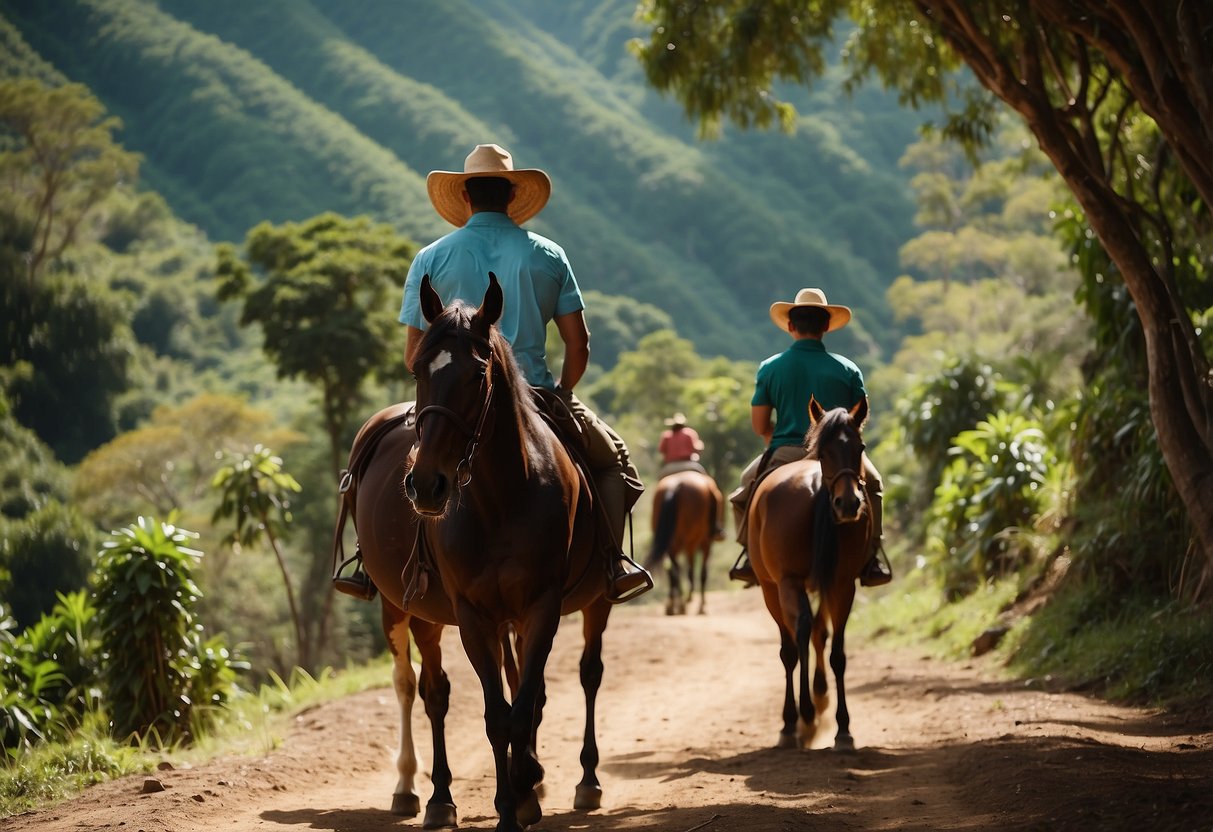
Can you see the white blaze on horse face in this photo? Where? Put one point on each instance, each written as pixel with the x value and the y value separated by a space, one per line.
pixel 441 360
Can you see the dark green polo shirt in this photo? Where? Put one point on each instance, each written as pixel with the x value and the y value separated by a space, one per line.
pixel 788 380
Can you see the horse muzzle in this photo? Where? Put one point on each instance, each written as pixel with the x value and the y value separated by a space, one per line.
pixel 429 495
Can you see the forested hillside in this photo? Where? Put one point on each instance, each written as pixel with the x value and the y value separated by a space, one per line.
pixel 282 109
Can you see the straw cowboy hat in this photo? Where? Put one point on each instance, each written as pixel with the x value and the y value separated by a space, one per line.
pixel 677 420
pixel 839 315
pixel 532 187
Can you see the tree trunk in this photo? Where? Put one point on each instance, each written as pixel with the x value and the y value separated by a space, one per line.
pixel 1182 423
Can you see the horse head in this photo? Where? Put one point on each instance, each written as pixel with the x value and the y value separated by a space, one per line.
pixel 454 372
pixel 834 439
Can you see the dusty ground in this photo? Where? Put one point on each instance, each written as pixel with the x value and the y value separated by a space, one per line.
pixel 689 714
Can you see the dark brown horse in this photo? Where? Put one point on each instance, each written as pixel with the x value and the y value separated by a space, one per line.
pixel 687 505
pixel 808 532
pixel 506 545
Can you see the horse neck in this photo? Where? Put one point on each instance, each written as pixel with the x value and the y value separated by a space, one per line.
pixel 511 455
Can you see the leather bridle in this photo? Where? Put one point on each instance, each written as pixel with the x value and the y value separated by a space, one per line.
pixel 463 470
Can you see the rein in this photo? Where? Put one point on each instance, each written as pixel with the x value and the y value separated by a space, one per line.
pixel 463 471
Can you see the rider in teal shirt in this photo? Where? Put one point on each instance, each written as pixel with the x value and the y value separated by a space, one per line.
pixel 487 203
pixel 536 280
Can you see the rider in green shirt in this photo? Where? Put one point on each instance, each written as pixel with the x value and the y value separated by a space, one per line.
pixel 784 385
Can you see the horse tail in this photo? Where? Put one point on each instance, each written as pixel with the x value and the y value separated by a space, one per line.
pixel 663 533
pixel 825 541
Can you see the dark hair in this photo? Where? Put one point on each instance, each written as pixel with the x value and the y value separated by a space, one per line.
pixel 809 320
pixel 489 193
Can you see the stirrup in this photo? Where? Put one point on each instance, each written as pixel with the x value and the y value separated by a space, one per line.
pixel 742 572
pixel 876 571
pixel 646 583
pixel 357 585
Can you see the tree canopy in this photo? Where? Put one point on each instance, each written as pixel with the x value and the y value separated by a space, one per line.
pixel 1115 92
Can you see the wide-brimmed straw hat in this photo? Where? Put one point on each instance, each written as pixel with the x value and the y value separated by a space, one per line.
pixel 839 315
pixel 677 420
pixel 532 187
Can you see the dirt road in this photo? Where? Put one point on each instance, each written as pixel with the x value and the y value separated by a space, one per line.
pixel 688 718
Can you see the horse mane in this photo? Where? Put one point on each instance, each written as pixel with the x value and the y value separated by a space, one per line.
pixel 455 321
pixel 825 528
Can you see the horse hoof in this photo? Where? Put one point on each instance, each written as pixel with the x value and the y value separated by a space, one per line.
pixel 406 805
pixel 439 816
pixel 844 742
pixel 588 798
pixel 528 812
pixel 787 741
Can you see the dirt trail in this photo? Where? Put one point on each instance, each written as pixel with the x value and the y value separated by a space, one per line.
pixel 688 717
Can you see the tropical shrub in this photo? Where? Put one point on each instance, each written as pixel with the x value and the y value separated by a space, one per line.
pixel 156 668
pixel 990 492
pixel 47 674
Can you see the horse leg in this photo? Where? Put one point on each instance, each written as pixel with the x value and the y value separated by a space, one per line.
pixel 482 644
pixel 436 693
pixel 703 575
pixel 688 594
pixel 593 625
pixel 537 631
pixel 673 573
pixel 821 689
pixel 405 800
pixel 798 618
pixel 843 741
pixel 541 697
pixel 787 655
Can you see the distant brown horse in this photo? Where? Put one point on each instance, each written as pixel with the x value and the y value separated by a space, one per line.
pixel 687 505
pixel 503 522
pixel 809 527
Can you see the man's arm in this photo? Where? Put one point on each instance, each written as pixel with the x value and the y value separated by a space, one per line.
pixel 576 338
pixel 411 343
pixel 760 420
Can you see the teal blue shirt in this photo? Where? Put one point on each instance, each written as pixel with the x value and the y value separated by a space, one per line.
pixel 788 380
pixel 536 281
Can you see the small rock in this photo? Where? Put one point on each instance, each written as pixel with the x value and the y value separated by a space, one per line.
pixel 164 765
pixel 150 785
pixel 197 798
pixel 988 640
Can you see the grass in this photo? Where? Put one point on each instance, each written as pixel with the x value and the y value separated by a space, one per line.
pixel 912 612
pixel 1136 650
pixel 253 723
pixel 1148 651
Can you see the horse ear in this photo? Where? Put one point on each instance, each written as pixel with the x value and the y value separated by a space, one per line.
pixel 431 304
pixel 490 309
pixel 815 411
pixel 859 413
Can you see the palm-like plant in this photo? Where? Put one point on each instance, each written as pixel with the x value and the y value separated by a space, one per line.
pixel 255 496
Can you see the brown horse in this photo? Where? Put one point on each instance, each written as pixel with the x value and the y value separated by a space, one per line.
pixel 687 505
pixel 502 522
pixel 809 527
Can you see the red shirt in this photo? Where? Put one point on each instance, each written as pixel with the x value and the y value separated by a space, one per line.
pixel 678 445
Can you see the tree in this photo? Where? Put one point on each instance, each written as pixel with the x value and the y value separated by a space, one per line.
pixel 62 164
pixel 255 497
pixel 323 306
pixel 1114 91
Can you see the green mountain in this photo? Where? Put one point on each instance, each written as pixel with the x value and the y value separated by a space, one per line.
pixel 281 109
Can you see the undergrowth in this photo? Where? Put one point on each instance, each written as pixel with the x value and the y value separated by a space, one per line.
pixel 252 723
pixel 1135 650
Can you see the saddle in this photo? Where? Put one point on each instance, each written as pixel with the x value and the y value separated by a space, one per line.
pixel 358 584
pixel 551 408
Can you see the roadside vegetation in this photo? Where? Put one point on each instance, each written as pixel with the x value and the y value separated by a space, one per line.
pixel 174 414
